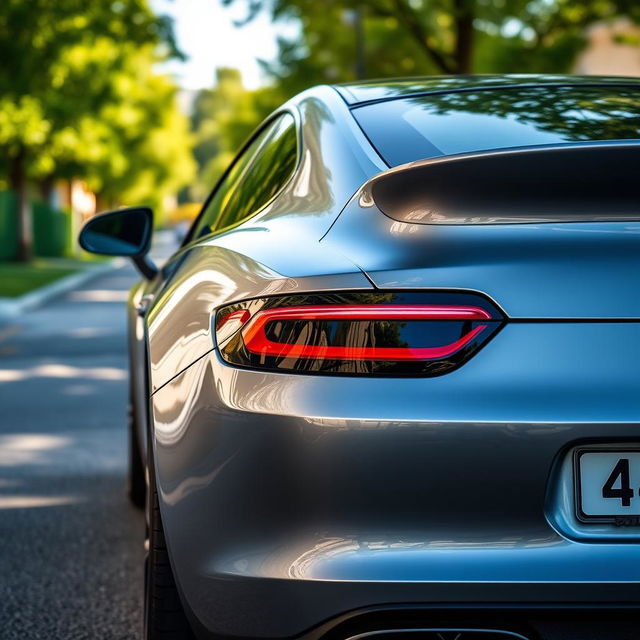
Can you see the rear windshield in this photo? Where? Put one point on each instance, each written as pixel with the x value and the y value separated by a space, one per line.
pixel 442 124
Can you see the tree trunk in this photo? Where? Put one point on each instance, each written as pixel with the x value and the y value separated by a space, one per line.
pixel 406 16
pixel 464 36
pixel 18 184
pixel 102 203
pixel 46 189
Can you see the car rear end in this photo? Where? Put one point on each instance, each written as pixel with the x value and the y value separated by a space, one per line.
pixel 452 452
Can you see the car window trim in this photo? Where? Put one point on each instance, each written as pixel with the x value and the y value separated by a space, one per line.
pixel 248 168
pixel 250 140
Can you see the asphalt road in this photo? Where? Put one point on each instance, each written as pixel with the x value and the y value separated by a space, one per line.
pixel 71 546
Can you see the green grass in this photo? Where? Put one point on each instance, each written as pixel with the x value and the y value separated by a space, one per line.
pixel 16 279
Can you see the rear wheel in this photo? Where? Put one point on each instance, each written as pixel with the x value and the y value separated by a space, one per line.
pixel 136 483
pixel 164 617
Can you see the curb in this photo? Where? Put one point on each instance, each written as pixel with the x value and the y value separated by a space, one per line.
pixel 12 307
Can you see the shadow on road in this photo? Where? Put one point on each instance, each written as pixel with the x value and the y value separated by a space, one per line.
pixel 71 559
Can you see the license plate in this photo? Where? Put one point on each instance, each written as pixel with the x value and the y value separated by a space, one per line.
pixel 607 484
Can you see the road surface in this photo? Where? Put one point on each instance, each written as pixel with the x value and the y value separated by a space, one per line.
pixel 71 546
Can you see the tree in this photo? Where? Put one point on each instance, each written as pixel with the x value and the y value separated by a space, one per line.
pixel 50 94
pixel 411 37
pixel 22 127
pixel 142 151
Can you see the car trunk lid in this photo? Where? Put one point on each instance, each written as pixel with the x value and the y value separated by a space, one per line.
pixel 547 232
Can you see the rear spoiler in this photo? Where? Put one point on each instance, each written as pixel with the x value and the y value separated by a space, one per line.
pixel 575 182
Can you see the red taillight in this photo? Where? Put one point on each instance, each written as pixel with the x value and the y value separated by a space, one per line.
pixel 360 334
pixel 256 340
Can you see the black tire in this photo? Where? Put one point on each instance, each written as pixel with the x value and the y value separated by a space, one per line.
pixel 136 482
pixel 164 617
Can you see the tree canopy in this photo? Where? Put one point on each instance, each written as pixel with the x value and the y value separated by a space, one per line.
pixel 341 40
pixel 80 96
pixel 222 119
pixel 79 99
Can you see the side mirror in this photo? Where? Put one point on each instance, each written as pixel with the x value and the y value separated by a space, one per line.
pixel 123 232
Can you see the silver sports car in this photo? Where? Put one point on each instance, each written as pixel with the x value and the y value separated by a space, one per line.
pixel 390 384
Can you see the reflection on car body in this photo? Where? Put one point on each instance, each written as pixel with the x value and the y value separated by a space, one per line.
pixel 364 384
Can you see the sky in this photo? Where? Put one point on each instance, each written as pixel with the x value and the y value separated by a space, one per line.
pixel 206 34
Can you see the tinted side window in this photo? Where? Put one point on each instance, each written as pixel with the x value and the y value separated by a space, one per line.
pixel 209 217
pixel 247 187
pixel 271 166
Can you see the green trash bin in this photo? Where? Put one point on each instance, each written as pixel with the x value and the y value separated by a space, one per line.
pixel 51 229
pixel 8 226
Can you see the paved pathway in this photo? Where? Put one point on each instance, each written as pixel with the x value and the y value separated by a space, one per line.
pixel 70 545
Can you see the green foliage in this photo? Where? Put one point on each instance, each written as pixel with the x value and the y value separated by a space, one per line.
pixel 16 280
pixel 80 99
pixel 223 118
pixel 22 122
pixel 343 39
pixel 142 150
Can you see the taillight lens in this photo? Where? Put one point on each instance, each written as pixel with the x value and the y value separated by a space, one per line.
pixel 394 334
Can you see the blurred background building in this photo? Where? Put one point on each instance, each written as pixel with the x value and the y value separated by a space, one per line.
pixel 611 49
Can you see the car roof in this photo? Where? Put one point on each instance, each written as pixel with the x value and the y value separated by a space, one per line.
pixel 358 93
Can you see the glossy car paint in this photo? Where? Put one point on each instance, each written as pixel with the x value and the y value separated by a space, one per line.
pixel 335 159
pixel 550 183
pixel 338 495
pixel 545 270
pixel 275 252
pixel 289 500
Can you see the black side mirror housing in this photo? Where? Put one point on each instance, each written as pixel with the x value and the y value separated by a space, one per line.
pixel 122 232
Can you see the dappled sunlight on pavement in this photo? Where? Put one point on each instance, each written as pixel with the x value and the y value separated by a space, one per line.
pixel 62 371
pixel 98 295
pixel 64 515
pixel 87 332
pixel 28 448
pixel 63 453
pixel 29 502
